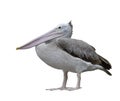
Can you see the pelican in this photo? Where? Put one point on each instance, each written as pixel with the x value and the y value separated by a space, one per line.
pixel 57 49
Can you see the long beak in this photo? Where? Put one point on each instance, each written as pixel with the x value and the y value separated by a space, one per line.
pixel 48 36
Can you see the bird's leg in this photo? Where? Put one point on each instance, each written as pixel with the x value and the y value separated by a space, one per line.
pixel 64 80
pixel 77 85
pixel 78 80
pixel 63 87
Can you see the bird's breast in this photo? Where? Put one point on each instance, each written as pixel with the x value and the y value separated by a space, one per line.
pixel 55 57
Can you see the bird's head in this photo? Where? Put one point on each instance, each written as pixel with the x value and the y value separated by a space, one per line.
pixel 63 30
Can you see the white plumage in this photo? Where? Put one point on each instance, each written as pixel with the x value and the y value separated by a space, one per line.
pixel 59 51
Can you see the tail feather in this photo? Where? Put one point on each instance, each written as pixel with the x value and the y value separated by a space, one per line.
pixel 105 63
pixel 106 71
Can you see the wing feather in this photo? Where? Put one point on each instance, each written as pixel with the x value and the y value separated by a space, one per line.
pixel 79 49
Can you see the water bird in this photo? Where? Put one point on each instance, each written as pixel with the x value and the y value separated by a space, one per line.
pixel 57 49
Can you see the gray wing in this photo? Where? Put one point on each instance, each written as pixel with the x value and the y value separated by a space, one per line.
pixel 79 49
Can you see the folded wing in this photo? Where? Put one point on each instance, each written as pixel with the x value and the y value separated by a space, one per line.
pixel 82 50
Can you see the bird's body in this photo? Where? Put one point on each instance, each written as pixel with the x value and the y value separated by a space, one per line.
pixel 56 57
pixel 57 49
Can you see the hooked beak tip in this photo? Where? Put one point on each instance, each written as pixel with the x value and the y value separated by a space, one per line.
pixel 17 48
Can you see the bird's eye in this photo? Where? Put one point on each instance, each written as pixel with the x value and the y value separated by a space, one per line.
pixel 59 27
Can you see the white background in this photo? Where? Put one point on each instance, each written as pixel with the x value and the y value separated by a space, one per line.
pixel 24 77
